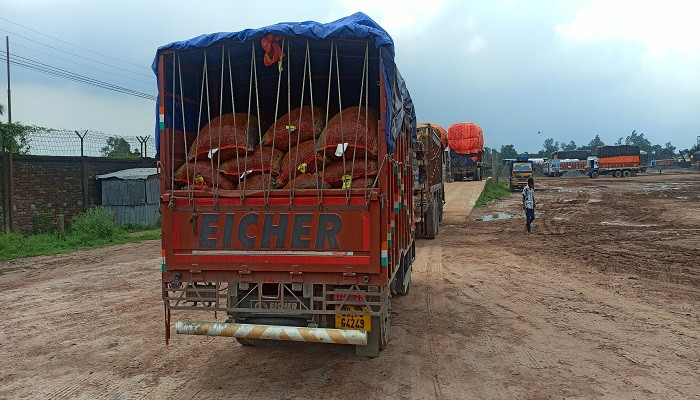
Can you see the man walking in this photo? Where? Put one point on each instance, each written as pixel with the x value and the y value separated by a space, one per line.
pixel 529 203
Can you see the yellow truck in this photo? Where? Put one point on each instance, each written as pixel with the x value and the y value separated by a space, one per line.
pixel 520 170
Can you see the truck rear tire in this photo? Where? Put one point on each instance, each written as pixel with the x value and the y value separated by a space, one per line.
pixel 430 221
pixel 617 173
pixel 404 286
pixel 626 173
pixel 476 175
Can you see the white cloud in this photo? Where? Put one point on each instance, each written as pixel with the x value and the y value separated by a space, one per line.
pixel 398 17
pixel 659 27
pixel 475 44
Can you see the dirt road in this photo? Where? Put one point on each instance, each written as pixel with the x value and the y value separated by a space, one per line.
pixel 601 301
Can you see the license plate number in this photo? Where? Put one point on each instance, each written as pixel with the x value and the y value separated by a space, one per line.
pixel 354 322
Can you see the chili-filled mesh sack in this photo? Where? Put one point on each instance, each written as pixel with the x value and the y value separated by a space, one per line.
pixel 361 183
pixel 337 176
pixel 306 130
pixel 202 170
pixel 270 162
pixel 465 138
pixel 256 182
pixel 356 136
pixel 307 181
pixel 301 159
pixel 235 138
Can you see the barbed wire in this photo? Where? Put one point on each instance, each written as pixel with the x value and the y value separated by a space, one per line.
pixel 94 144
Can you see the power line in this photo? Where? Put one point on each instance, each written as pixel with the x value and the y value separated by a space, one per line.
pixel 74 45
pixel 73 54
pixel 62 73
pixel 77 63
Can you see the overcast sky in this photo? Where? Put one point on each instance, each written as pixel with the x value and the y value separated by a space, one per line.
pixel 568 69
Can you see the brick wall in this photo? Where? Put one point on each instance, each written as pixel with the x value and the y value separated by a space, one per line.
pixel 43 186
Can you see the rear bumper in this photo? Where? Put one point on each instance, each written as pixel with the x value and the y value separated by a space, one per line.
pixel 272 332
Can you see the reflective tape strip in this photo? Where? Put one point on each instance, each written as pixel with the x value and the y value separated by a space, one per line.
pixel 272 332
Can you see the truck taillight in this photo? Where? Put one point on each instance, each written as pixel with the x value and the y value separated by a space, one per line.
pixel 342 297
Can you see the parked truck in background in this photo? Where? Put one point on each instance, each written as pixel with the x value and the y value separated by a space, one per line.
pixel 622 160
pixel 566 160
pixel 662 163
pixel 428 184
pixel 466 142
pixel 695 160
pixel 306 247
pixel 643 161
pixel 519 171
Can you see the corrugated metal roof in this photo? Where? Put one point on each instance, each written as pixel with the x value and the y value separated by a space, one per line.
pixel 130 174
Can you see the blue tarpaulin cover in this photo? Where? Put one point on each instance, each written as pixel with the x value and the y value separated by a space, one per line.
pixel 400 109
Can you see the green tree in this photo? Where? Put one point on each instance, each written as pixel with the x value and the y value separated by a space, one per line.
pixel 663 153
pixel 15 135
pixel 118 147
pixel 570 146
pixel 548 147
pixel 595 142
pixel 638 139
pixel 507 151
pixel 2 109
pixel 619 141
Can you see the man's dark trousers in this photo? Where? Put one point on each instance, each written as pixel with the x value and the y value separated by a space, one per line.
pixel 530 215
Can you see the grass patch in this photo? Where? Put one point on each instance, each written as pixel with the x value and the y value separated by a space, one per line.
pixel 92 229
pixel 493 192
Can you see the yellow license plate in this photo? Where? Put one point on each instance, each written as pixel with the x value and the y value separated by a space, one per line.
pixel 355 322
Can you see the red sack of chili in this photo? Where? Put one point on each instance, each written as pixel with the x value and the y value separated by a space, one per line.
pixel 300 160
pixel 340 176
pixel 307 181
pixel 356 134
pixel 256 182
pixel 361 183
pixel 200 176
pixel 290 129
pixel 238 134
pixel 252 162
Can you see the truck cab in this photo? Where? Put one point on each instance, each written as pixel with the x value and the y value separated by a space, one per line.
pixel 520 170
pixel 592 167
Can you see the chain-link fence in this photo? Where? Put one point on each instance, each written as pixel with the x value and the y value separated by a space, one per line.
pixel 89 143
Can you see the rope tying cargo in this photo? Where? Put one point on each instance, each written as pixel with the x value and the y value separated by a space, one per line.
pixel 328 106
pixel 184 127
pixel 277 102
pixel 172 150
pixel 221 110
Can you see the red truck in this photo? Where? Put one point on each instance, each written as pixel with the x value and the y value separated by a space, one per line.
pixel 310 245
pixel 620 160
pixel 428 184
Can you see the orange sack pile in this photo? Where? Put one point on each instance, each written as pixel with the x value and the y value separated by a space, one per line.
pixel 465 138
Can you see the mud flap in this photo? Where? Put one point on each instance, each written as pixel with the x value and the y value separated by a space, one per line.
pixel 377 339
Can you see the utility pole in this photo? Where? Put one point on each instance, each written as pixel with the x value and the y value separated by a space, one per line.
pixel 9 170
pixel 494 167
pixel 9 97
